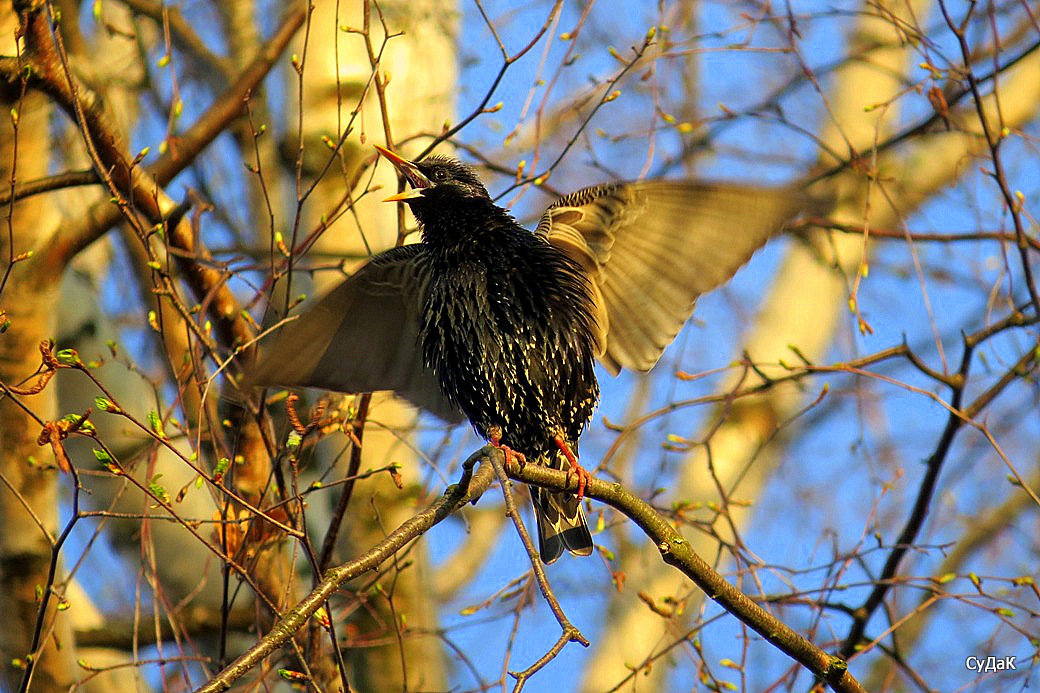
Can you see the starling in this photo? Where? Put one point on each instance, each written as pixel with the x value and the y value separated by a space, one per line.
pixel 483 319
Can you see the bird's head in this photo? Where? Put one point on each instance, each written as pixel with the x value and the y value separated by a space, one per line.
pixel 435 179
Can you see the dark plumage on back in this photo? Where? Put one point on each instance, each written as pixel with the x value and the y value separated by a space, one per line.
pixel 489 321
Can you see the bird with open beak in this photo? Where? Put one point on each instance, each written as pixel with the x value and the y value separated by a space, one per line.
pixel 487 321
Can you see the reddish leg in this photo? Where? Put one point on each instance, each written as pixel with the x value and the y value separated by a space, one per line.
pixel 583 475
pixel 495 438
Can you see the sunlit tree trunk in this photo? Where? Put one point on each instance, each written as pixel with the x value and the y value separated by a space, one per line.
pixel 112 59
pixel 804 307
pixel 29 483
pixel 420 68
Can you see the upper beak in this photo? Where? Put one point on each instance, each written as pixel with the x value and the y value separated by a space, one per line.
pixel 410 171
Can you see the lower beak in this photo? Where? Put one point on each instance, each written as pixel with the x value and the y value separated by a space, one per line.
pixel 406 195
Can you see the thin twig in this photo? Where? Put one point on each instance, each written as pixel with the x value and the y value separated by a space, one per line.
pixel 569 632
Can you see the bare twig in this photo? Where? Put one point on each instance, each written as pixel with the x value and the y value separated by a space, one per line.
pixel 569 632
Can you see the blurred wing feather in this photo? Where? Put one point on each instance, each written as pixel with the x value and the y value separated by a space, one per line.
pixel 363 336
pixel 652 247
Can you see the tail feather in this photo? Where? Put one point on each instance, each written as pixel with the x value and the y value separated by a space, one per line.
pixel 561 525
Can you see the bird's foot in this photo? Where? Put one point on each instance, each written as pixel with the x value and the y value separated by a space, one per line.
pixel 495 438
pixel 581 472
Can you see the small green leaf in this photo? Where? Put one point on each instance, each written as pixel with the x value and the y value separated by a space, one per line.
pixel 68 357
pixel 105 404
pixel 157 489
pixel 292 442
pixel 294 676
pixel 155 423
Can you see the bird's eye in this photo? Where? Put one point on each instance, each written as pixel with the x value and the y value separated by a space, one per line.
pixel 440 175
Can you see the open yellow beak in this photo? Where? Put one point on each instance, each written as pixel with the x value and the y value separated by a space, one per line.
pixel 416 178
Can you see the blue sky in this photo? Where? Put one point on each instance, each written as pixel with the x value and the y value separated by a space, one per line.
pixel 852 468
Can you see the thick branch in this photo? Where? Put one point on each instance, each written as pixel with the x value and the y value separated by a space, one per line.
pixel 138 189
pixel 676 551
pixel 58 181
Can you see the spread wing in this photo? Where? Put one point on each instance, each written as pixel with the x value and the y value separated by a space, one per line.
pixel 362 336
pixel 652 247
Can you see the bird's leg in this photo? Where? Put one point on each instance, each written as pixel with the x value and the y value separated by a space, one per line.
pixel 583 475
pixel 495 438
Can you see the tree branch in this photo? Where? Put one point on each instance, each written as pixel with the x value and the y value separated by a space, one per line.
pixel 469 488
pixel 677 552
pixel 58 181
pixel 228 106
pixel 673 547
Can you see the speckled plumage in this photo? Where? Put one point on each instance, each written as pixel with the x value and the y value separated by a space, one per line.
pixel 508 325
pixel 508 328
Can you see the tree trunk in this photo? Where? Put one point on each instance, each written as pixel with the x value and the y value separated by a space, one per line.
pixel 394 649
pixel 804 307
pixel 29 483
